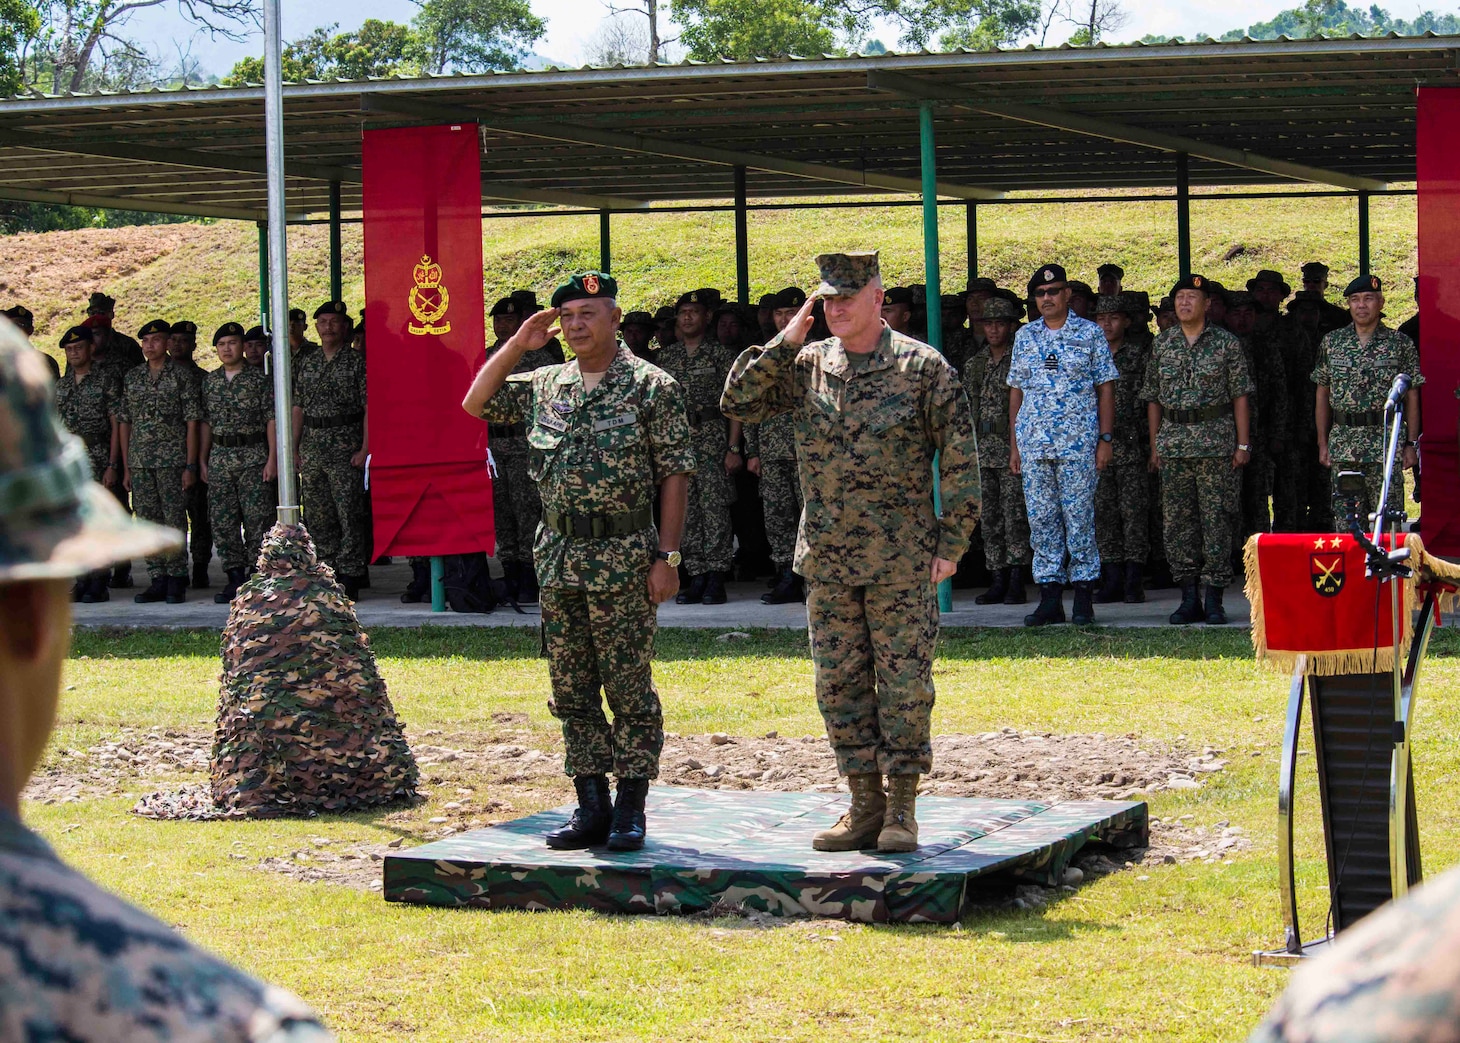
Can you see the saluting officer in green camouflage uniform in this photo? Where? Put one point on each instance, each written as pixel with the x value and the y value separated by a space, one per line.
pixel 1004 517
pixel 1197 389
pixel 238 455
pixel 182 345
pixel 1268 416
pixel 872 409
pixel 333 440
pixel 1121 515
pixel 516 506
pixel 1356 368
pixel 159 418
pixel 700 364
pixel 87 398
pixel 78 963
pixel 606 431
pixel 770 453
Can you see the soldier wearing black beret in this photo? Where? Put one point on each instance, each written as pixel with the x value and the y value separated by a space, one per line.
pixel 897 308
pixel 182 346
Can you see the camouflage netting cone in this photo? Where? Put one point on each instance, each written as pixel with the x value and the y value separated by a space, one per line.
pixel 304 721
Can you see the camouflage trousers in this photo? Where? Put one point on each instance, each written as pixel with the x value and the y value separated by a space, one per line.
pixel 1004 520
pixel 516 505
pixel 1122 516
pixel 1198 503
pixel 1373 486
pixel 872 649
pixel 1060 497
pixel 200 527
pixel 708 542
pixel 1302 490
pixel 604 641
pixel 1155 524
pixel 1257 489
pixel 241 509
pixel 157 495
pixel 780 497
pixel 332 494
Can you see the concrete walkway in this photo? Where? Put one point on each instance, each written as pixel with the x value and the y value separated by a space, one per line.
pixel 380 606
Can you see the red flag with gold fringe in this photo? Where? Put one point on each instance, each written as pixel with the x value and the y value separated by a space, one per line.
pixel 425 331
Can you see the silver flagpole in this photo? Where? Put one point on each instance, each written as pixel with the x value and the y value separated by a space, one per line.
pixel 279 265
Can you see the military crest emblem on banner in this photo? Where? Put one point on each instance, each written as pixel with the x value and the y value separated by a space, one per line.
pixel 428 300
pixel 1326 571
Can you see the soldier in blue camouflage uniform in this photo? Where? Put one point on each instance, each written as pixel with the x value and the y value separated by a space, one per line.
pixel 1356 368
pixel 872 409
pixel 1063 406
pixel 1196 389
pixel 238 457
pixel 699 363
pixel 158 426
pixel 87 398
pixel 182 345
pixel 1004 519
pixel 1121 514
pixel 77 963
pixel 607 431
pixel 333 441
pixel 770 453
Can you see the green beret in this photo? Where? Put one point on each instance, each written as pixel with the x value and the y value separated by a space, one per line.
pixel 228 329
pixel 585 286
pixel 1192 282
pixel 1364 284
pixel 155 326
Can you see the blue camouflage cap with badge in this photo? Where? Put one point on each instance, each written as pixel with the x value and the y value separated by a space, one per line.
pixel 585 286
pixel 847 274
pixel 55 522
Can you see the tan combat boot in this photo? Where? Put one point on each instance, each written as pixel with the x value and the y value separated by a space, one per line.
pixel 858 828
pixel 899 824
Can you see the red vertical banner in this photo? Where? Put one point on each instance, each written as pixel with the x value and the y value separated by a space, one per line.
pixel 1437 151
pixel 425 333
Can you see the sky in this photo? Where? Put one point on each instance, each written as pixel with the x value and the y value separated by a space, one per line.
pixel 572 24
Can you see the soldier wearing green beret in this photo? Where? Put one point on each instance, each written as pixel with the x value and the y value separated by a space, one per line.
pixel 1121 515
pixel 1356 368
pixel 182 346
pixel 238 457
pixel 872 410
pixel 87 399
pixel 606 433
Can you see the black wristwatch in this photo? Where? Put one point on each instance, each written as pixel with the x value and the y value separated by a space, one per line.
pixel 1106 436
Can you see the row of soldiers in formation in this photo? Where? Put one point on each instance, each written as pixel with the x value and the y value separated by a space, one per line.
pixel 194 449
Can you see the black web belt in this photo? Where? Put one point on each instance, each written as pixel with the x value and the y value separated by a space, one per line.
pixel 597 526
pixel 324 423
pixel 1368 418
pixel 506 430
pixel 239 441
pixel 1197 416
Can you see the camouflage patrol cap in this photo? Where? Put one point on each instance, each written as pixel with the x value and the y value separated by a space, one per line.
pixel 790 297
pixel 505 306
pixel 846 274
pixel 55 522
pixel 155 326
pixel 228 329
pixel 255 333
pixel 332 308
pixel 75 335
pixel 1112 304
pixel 1364 284
pixel 188 329
pixel 898 295
pixel 1001 308
pixel 639 318
pixel 585 286
pixel 100 303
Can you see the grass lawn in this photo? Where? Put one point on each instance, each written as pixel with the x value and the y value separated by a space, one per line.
pixel 1153 952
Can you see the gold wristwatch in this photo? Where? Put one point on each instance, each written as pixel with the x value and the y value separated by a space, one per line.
pixel 671 557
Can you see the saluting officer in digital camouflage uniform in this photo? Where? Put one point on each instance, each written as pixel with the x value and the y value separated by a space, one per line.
pixel 1004 518
pixel 1121 515
pixel 76 962
pixel 606 432
pixel 1196 388
pixel 1356 368
pixel 158 426
pixel 872 409
pixel 516 506
pixel 1061 408
pixel 87 399
pixel 182 345
pixel 699 363
pixel 333 441
pixel 239 458
pixel 770 453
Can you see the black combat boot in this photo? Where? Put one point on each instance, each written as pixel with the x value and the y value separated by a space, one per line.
pixel 694 594
pixel 1190 608
pixel 122 577
pixel 511 573
pixel 788 589
pixel 997 589
pixel 590 823
pixel 1051 606
pixel 629 826
pixel 230 589
pixel 1017 595
pixel 526 583
pixel 156 591
pixel 1083 612
pixel 419 588
pixel 177 590
pixel 200 576
pixel 351 585
pixel 96 588
pixel 1216 615
pixel 1112 587
pixel 1161 578
pixel 1135 591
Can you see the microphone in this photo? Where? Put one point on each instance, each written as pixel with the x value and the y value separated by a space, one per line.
pixel 1397 391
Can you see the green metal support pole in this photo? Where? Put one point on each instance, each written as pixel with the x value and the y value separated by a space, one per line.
pixel 1183 215
pixel 337 279
pixel 264 274
pixel 932 279
pixel 742 235
pixel 605 241
pixel 970 219
pixel 438 584
pixel 1363 233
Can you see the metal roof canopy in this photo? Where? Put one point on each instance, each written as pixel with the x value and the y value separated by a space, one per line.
pixel 1338 113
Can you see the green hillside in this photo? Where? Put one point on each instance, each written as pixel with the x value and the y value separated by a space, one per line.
pixel 209 273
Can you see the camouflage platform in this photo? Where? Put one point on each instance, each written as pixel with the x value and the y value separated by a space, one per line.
pixel 754 849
